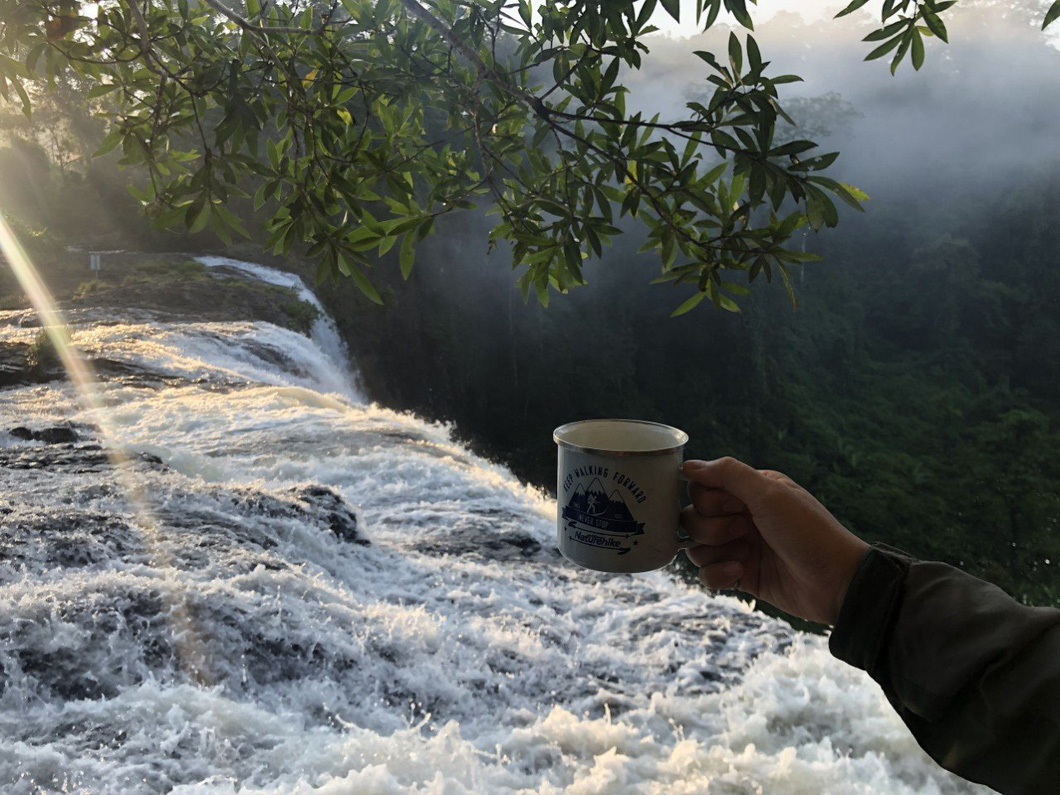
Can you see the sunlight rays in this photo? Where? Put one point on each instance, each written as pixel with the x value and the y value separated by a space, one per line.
pixel 186 641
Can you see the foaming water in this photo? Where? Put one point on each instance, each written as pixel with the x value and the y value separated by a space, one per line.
pixel 324 332
pixel 379 610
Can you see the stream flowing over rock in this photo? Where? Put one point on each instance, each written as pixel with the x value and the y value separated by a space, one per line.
pixel 259 582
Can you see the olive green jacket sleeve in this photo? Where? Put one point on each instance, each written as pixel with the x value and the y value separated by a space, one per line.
pixel 974 674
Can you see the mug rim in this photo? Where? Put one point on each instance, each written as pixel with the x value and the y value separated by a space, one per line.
pixel 681 435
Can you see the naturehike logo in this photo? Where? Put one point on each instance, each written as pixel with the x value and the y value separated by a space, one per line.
pixel 600 519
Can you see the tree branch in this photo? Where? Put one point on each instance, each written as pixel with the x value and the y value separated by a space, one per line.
pixel 249 26
pixel 484 70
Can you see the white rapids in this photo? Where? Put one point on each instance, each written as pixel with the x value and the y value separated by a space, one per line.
pixel 251 635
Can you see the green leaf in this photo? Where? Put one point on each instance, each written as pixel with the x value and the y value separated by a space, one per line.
pixel 907 40
pixel 27 106
pixel 715 173
pixel 12 67
pixel 102 89
pixel 800 256
pixel 542 292
pixel 917 52
pixel 229 219
pixel 814 212
pixel 819 208
pixel 407 256
pixel 850 9
pixel 708 57
pixel 201 218
pixel 362 282
pixel 688 305
pixel 1051 15
pixel 883 49
pixel 936 25
pixel 109 143
pixel 793 148
pixel 754 54
pixel 820 162
pixel 887 30
pixel 738 8
pixel 260 197
pixel 857 193
pixel 724 302
pixel 673 8
pixel 735 54
pixel 735 289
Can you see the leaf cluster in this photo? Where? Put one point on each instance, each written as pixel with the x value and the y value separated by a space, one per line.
pixel 349 127
pixel 905 24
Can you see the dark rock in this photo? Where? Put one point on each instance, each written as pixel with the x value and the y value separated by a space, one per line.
pixel 131 619
pixel 67 538
pixel 342 521
pixel 60 434
pixel 78 460
pixel 18 367
pixel 480 538
pixel 111 370
pixel 529 546
pixel 227 299
pixel 15 367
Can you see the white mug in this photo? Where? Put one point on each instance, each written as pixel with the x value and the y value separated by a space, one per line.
pixel 618 494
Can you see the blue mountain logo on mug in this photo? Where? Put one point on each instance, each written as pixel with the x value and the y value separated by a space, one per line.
pixel 605 516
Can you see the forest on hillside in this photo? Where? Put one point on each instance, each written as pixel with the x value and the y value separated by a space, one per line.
pixel 915 389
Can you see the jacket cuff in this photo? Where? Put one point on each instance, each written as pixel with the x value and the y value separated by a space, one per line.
pixel 870 607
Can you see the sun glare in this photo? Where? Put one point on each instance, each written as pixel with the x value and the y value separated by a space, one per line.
pixel 186 641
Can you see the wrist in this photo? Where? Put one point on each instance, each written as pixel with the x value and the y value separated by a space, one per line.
pixel 852 558
pixel 870 608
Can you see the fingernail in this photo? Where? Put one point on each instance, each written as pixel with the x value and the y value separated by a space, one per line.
pixel 694 464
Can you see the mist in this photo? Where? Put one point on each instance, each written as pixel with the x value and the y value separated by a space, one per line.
pixel 982 112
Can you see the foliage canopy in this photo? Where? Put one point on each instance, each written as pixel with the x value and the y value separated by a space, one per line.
pixel 354 124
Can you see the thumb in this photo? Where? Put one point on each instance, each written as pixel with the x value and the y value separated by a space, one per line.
pixel 728 474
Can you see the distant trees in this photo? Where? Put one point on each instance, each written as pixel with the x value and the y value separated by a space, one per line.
pixel 914 392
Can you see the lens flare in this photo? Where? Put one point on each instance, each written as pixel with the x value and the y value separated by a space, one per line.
pixel 186 641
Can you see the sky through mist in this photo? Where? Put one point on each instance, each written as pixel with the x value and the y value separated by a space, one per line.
pixel 983 111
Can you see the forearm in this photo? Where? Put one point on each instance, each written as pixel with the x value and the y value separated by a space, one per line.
pixel 974 674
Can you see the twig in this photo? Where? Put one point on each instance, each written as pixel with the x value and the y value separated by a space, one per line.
pixel 249 26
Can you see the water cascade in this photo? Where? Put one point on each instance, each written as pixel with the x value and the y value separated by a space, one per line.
pixel 378 609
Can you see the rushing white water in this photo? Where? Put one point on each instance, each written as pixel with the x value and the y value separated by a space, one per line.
pixel 324 332
pixel 454 652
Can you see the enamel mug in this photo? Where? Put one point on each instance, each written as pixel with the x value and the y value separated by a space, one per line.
pixel 618 494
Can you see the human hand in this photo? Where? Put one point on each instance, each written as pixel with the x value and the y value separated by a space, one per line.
pixel 760 532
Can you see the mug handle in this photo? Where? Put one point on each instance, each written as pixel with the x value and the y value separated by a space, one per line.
pixel 684 540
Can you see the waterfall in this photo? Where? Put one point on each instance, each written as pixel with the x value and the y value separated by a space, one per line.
pixel 336 597
pixel 324 332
